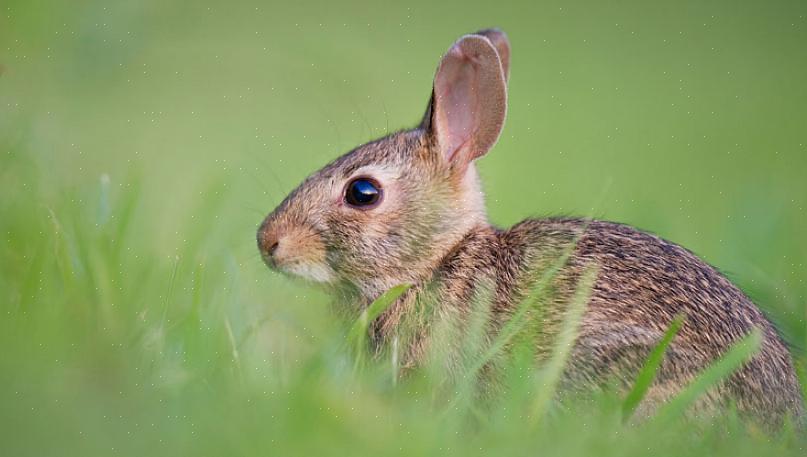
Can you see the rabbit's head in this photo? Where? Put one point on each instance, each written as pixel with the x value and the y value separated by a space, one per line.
pixel 389 211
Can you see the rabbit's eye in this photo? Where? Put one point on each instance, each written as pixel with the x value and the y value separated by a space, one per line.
pixel 363 192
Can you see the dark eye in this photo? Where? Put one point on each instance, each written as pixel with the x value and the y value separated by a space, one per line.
pixel 363 192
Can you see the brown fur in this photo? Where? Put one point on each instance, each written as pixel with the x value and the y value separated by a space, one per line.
pixel 431 230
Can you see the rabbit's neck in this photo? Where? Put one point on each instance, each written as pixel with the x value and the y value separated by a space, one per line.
pixel 469 263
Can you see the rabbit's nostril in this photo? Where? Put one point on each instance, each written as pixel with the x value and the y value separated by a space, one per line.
pixel 267 241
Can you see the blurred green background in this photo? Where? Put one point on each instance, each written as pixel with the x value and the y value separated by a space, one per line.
pixel 141 142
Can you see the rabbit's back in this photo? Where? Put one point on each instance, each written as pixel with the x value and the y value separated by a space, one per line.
pixel 642 283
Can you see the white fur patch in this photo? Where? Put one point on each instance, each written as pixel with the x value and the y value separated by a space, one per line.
pixel 379 172
pixel 316 272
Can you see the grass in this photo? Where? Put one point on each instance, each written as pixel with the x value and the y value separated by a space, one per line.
pixel 142 142
pixel 358 335
pixel 733 359
pixel 645 377
pixel 164 362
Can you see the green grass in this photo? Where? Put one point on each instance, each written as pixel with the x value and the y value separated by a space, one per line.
pixel 141 143
pixel 646 376
pixel 357 336
pixel 734 358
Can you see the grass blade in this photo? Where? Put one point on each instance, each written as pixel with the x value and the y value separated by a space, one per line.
pixel 553 370
pixel 647 374
pixel 518 320
pixel 357 335
pixel 733 359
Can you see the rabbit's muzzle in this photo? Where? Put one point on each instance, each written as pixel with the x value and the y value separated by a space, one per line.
pixel 293 249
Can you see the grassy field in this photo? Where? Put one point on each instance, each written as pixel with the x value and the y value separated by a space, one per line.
pixel 141 143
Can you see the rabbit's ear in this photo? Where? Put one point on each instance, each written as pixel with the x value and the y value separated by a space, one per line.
pixel 499 40
pixel 469 101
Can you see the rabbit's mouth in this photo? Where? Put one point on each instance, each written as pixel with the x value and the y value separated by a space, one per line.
pixel 315 272
pixel 299 267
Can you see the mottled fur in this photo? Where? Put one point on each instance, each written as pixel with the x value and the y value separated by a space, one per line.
pixel 431 230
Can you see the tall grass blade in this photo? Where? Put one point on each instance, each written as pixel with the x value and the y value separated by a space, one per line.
pixel 518 320
pixel 468 339
pixel 647 374
pixel 553 370
pixel 357 336
pixel 732 360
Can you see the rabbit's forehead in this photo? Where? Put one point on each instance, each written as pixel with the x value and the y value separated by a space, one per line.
pixel 380 172
pixel 381 169
pixel 332 179
pixel 337 177
pixel 389 161
pixel 385 155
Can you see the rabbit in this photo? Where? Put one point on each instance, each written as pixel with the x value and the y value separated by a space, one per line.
pixel 409 208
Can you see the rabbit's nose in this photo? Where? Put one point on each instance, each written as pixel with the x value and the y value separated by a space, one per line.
pixel 268 242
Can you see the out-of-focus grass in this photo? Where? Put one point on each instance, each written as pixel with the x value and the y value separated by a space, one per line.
pixel 141 143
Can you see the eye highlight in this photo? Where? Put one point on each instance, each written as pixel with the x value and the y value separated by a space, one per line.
pixel 363 193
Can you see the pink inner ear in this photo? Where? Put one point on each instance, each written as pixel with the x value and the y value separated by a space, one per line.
pixel 470 100
pixel 458 101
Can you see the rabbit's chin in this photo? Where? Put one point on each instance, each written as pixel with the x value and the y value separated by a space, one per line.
pixel 314 272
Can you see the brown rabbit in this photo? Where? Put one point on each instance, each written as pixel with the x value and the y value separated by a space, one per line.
pixel 408 208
